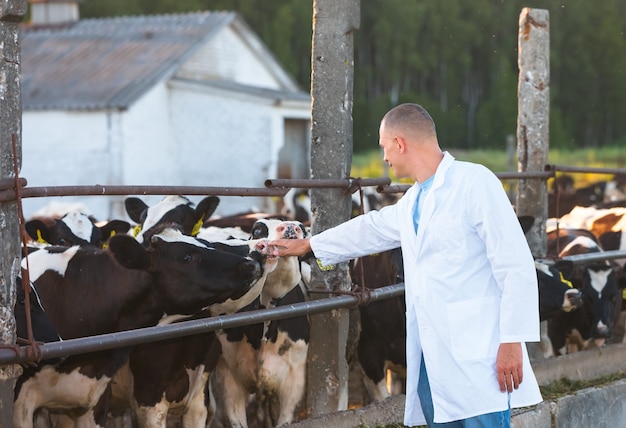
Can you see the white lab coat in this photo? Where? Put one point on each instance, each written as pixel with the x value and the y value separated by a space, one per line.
pixel 460 304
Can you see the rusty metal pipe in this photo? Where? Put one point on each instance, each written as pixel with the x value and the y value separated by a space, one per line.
pixel 326 183
pixel 9 183
pixel 186 328
pixel 594 170
pixel 100 190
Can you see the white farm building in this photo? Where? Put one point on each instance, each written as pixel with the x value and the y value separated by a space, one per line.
pixel 186 100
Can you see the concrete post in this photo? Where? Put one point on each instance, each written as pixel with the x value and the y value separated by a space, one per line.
pixel 533 136
pixel 334 24
pixel 533 121
pixel 11 14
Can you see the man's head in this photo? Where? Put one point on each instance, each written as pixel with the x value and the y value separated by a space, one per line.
pixel 409 140
pixel 411 120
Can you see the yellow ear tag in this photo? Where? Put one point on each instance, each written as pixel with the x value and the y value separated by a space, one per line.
pixel 324 268
pixel 136 230
pixel 40 240
pixel 624 294
pixel 569 283
pixel 197 226
pixel 106 244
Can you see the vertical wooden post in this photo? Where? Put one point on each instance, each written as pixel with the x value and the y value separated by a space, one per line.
pixel 334 24
pixel 11 14
pixel 533 120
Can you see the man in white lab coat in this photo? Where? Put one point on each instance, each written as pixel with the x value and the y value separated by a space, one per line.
pixel 471 285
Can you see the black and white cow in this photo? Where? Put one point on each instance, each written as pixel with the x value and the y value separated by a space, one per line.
pixel 43 329
pixel 382 339
pixel 74 228
pixel 175 383
pixel 267 359
pixel 596 280
pixel 557 295
pixel 87 291
pixel 173 210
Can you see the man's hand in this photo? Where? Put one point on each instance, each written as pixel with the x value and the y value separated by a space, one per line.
pixel 509 366
pixel 289 247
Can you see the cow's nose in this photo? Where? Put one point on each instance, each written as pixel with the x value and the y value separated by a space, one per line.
pixel 574 297
pixel 603 329
pixel 289 232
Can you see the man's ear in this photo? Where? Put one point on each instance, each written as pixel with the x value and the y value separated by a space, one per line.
pixel 401 144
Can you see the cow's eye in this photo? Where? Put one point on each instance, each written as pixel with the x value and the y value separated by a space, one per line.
pixel 186 258
pixel 256 233
pixel 61 241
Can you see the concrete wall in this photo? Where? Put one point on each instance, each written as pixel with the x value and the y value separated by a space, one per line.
pixel 593 407
pixel 603 407
pixel 66 149
pixel 229 139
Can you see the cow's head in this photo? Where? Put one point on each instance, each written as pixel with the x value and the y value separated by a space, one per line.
pixel 173 209
pixel 289 270
pixel 254 250
pixel 556 294
pixel 189 274
pixel 74 228
pixel 597 281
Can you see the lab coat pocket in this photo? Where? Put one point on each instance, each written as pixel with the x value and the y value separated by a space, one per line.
pixel 447 235
pixel 474 328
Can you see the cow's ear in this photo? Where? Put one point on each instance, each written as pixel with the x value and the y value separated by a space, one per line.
pixel 129 252
pixel 136 209
pixel 206 207
pixel 109 230
pixel 38 231
pixel 566 267
pixel 115 227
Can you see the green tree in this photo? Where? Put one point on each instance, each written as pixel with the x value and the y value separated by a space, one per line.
pixel 457 58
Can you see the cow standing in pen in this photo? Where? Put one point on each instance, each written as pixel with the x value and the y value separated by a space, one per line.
pixel 597 280
pixel 87 291
pixel 266 361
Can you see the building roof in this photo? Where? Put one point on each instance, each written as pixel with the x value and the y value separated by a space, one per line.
pixel 108 63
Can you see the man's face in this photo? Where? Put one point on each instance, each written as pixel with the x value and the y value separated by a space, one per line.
pixel 391 150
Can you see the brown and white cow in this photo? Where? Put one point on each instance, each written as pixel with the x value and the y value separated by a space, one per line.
pixel 564 197
pixel 267 359
pixel 87 291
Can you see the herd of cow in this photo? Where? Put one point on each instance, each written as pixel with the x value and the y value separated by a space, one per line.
pixel 176 263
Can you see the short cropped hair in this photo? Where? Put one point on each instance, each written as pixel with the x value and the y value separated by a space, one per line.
pixel 411 118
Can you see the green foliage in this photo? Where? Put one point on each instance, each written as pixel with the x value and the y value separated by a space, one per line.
pixel 370 164
pixel 457 58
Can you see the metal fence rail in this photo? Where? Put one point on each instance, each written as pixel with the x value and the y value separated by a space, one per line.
pixel 273 187
pixel 186 328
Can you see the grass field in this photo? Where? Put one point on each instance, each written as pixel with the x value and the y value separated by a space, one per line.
pixel 371 165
